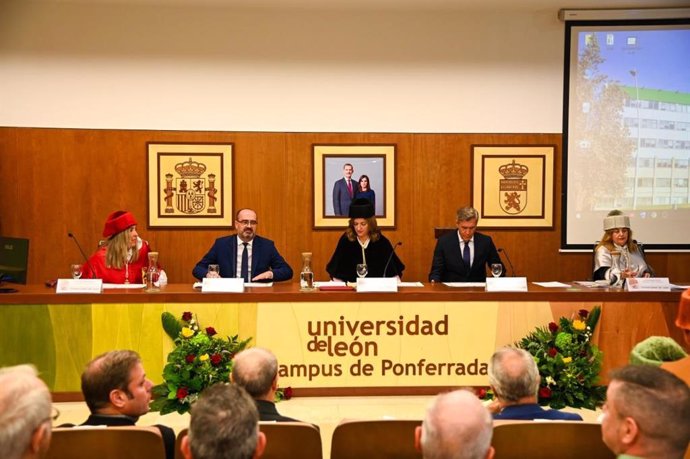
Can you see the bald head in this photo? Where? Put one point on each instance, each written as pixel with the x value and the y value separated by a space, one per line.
pixel 456 426
pixel 256 370
pixel 513 374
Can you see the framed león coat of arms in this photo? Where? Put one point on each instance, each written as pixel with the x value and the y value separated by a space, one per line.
pixel 189 185
pixel 513 185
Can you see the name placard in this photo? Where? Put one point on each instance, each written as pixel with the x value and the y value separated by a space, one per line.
pixel 647 284
pixel 377 284
pixel 506 284
pixel 79 286
pixel 222 285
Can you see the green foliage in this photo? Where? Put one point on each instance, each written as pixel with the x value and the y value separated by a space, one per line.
pixel 171 325
pixel 200 359
pixel 569 364
pixel 599 159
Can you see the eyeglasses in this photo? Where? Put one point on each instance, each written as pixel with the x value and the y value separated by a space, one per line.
pixel 247 222
pixel 54 414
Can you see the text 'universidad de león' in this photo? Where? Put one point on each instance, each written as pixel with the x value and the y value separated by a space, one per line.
pixel 350 338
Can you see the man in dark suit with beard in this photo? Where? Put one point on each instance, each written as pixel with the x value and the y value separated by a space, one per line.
pixel 463 255
pixel 245 254
pixel 344 191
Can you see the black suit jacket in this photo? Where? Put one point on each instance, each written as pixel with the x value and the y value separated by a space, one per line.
pixel 268 412
pixel 265 256
pixel 167 433
pixel 447 265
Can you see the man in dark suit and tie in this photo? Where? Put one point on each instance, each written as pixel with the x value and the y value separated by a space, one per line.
pixel 343 191
pixel 245 254
pixel 463 255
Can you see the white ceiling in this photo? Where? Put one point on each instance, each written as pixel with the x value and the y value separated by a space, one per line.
pixel 513 5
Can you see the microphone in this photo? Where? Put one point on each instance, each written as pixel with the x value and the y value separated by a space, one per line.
pixel 390 257
pixel 74 238
pixel 512 270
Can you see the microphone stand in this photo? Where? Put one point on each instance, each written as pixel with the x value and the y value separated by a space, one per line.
pixel 390 257
pixel 86 259
pixel 512 270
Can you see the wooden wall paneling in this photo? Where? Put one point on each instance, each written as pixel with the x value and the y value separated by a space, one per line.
pixel 56 180
pixel 180 249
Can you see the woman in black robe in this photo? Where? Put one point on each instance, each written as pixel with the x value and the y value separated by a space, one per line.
pixel 363 243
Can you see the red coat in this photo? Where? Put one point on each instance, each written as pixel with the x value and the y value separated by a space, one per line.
pixel 131 271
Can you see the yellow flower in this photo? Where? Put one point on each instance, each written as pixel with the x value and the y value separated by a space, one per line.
pixel 203 358
pixel 567 360
pixel 579 325
pixel 187 332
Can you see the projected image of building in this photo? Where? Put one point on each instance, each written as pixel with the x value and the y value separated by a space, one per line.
pixel 659 124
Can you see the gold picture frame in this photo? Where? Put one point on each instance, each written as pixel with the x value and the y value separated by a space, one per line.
pixel 377 162
pixel 190 185
pixel 513 185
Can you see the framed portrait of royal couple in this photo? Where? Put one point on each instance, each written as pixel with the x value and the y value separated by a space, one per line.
pixel 343 173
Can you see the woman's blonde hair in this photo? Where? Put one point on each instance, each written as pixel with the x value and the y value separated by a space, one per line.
pixel 607 241
pixel 374 232
pixel 117 251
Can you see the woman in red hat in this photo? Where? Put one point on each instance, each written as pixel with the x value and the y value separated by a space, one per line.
pixel 123 255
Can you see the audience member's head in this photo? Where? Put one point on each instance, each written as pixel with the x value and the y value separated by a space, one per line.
pixel 116 383
pixel 647 413
pixel 456 426
pixel 224 424
pixel 25 413
pixel 256 370
pixel 514 376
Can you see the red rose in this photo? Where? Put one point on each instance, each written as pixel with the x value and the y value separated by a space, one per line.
pixel 544 392
pixel 187 316
pixel 553 326
pixel 210 331
pixel 216 359
pixel 287 393
pixel 552 352
pixel 190 358
pixel 583 313
pixel 182 392
pixel 481 393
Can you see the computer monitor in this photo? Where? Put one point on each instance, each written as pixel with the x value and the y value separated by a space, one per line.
pixel 14 259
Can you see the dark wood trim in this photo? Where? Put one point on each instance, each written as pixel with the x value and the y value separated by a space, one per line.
pixel 289 292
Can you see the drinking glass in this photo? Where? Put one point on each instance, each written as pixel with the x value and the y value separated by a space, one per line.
pixel 214 269
pixel 362 270
pixel 76 270
pixel 496 269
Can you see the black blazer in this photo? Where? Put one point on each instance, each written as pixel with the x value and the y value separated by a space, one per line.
pixel 167 433
pixel 268 412
pixel 447 265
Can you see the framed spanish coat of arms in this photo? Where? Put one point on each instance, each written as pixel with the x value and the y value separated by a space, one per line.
pixel 513 185
pixel 189 185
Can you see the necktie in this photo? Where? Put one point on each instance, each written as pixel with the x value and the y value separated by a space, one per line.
pixel 244 269
pixel 349 187
pixel 466 254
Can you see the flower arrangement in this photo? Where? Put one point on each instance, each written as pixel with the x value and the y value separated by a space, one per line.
pixel 569 364
pixel 200 359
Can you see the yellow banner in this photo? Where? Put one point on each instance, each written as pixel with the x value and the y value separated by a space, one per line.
pixel 379 344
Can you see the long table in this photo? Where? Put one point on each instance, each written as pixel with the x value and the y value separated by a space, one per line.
pixel 418 340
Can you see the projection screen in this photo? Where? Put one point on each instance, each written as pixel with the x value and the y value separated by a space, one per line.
pixel 626 131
